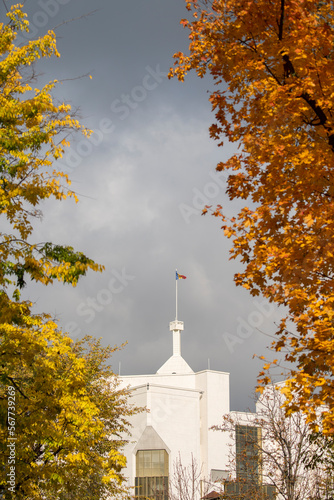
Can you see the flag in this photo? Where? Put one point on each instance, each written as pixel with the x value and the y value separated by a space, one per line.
pixel 180 276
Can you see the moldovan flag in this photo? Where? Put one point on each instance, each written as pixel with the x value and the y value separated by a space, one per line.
pixel 180 276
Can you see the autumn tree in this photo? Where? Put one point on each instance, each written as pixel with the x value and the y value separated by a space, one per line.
pixel 63 417
pixel 272 454
pixel 69 421
pixel 272 62
pixel 32 136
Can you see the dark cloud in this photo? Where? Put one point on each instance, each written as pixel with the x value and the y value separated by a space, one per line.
pixel 143 179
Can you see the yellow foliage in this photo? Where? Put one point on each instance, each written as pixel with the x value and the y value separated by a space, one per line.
pixel 33 134
pixel 70 415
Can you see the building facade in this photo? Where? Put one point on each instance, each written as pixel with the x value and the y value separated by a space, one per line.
pixel 182 406
pixel 172 443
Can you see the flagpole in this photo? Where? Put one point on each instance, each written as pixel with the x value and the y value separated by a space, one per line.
pixel 176 280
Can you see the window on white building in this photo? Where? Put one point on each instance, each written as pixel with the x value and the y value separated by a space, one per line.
pixel 152 474
pixel 248 481
pixel 248 453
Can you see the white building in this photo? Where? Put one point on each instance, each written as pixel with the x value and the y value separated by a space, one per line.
pixel 182 406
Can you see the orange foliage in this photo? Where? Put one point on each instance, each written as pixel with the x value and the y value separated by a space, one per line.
pixel 273 65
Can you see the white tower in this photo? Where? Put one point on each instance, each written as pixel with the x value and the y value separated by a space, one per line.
pixel 175 365
pixel 176 327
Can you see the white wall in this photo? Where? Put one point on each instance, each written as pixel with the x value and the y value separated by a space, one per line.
pixel 182 407
pixel 215 403
pixel 174 413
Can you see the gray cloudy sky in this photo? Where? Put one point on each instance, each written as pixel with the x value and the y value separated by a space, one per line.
pixel 143 179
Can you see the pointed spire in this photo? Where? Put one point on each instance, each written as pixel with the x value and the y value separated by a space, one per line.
pixel 175 365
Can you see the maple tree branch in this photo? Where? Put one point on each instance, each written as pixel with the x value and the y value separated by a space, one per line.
pixel 281 22
pixel 320 114
pixel 253 48
pixel 271 73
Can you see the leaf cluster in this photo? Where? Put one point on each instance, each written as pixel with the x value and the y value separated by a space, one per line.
pixel 71 418
pixel 33 135
pixel 272 62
